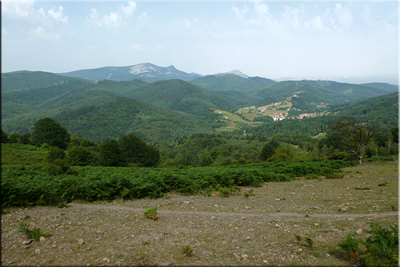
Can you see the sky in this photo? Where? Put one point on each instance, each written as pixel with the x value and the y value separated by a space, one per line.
pixel 347 41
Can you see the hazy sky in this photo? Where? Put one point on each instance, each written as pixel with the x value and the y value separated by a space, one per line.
pixel 342 40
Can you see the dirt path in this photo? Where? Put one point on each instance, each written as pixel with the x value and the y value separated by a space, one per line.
pixel 272 216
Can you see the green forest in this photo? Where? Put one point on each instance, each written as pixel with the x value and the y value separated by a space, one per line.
pixel 66 138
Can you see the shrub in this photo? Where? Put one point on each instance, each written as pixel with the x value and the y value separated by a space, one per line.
pixel 187 251
pixel 79 156
pixel 34 233
pixel 151 213
pixel 57 167
pixel 350 247
pixel 381 248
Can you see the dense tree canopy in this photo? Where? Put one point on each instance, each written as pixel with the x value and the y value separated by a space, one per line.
pixel 354 136
pixel 49 131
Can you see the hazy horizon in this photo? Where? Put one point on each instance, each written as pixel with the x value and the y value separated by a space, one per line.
pixel 345 41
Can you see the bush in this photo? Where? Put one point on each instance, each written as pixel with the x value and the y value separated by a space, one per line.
pixel 79 156
pixel 381 248
pixel 34 233
pixel 187 251
pixel 151 213
pixel 57 167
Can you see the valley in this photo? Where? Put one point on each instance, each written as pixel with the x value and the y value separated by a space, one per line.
pixel 165 107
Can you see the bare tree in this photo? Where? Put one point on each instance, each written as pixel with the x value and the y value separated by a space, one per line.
pixel 354 136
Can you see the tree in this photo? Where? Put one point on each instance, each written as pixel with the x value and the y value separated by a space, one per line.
pixel 354 136
pixel 14 138
pixel 25 139
pixel 111 154
pixel 79 156
pixel 395 133
pixel 136 150
pixel 269 149
pixel 4 137
pixel 49 131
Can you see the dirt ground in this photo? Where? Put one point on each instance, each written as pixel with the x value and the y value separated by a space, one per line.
pixel 259 230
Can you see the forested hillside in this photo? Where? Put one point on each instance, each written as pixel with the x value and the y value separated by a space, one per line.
pixel 163 110
pixel 222 82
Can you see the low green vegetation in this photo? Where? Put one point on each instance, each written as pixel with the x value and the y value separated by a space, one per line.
pixel 30 185
pixel 187 251
pixel 151 213
pixel 381 248
pixel 34 233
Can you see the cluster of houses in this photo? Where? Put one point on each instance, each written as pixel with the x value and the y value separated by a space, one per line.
pixel 280 116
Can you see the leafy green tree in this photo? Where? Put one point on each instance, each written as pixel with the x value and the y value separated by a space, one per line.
pixel 79 156
pixel 55 162
pixel 136 150
pixel 269 149
pixel 111 154
pixel 354 136
pixel 283 154
pixel 55 153
pixel 49 131
pixel 14 138
pixel 395 134
pixel 25 139
pixel 4 137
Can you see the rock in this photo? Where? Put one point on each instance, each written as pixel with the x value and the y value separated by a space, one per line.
pixel 26 242
pixel 359 231
pixel 81 242
pixel 236 256
pixel 212 217
pixel 247 238
pixel 300 249
pixel 37 251
pixel 316 224
pixel 243 218
pixel 244 257
pixel 186 202
pixel 42 239
pixel 265 261
pixel 107 260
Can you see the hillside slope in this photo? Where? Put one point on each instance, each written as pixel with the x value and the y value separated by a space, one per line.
pixel 145 71
pixel 228 81
pixel 26 80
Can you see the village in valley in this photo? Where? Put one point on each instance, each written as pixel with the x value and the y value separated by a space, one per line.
pixel 277 111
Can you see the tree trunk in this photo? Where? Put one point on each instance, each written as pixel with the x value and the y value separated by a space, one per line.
pixel 360 160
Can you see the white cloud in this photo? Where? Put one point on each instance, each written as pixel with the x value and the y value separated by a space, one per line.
pixel 293 16
pixel 315 23
pixel 18 8
pixel 239 13
pixel 129 9
pixel 114 20
pixel 57 15
pixel 344 15
pixel 40 33
pixel 136 46
pixel 187 24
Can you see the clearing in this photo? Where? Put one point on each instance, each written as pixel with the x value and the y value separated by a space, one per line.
pixel 259 230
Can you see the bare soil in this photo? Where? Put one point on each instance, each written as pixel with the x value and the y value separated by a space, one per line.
pixel 259 230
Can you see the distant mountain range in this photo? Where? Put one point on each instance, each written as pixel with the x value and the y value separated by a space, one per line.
pixel 159 103
pixel 145 71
